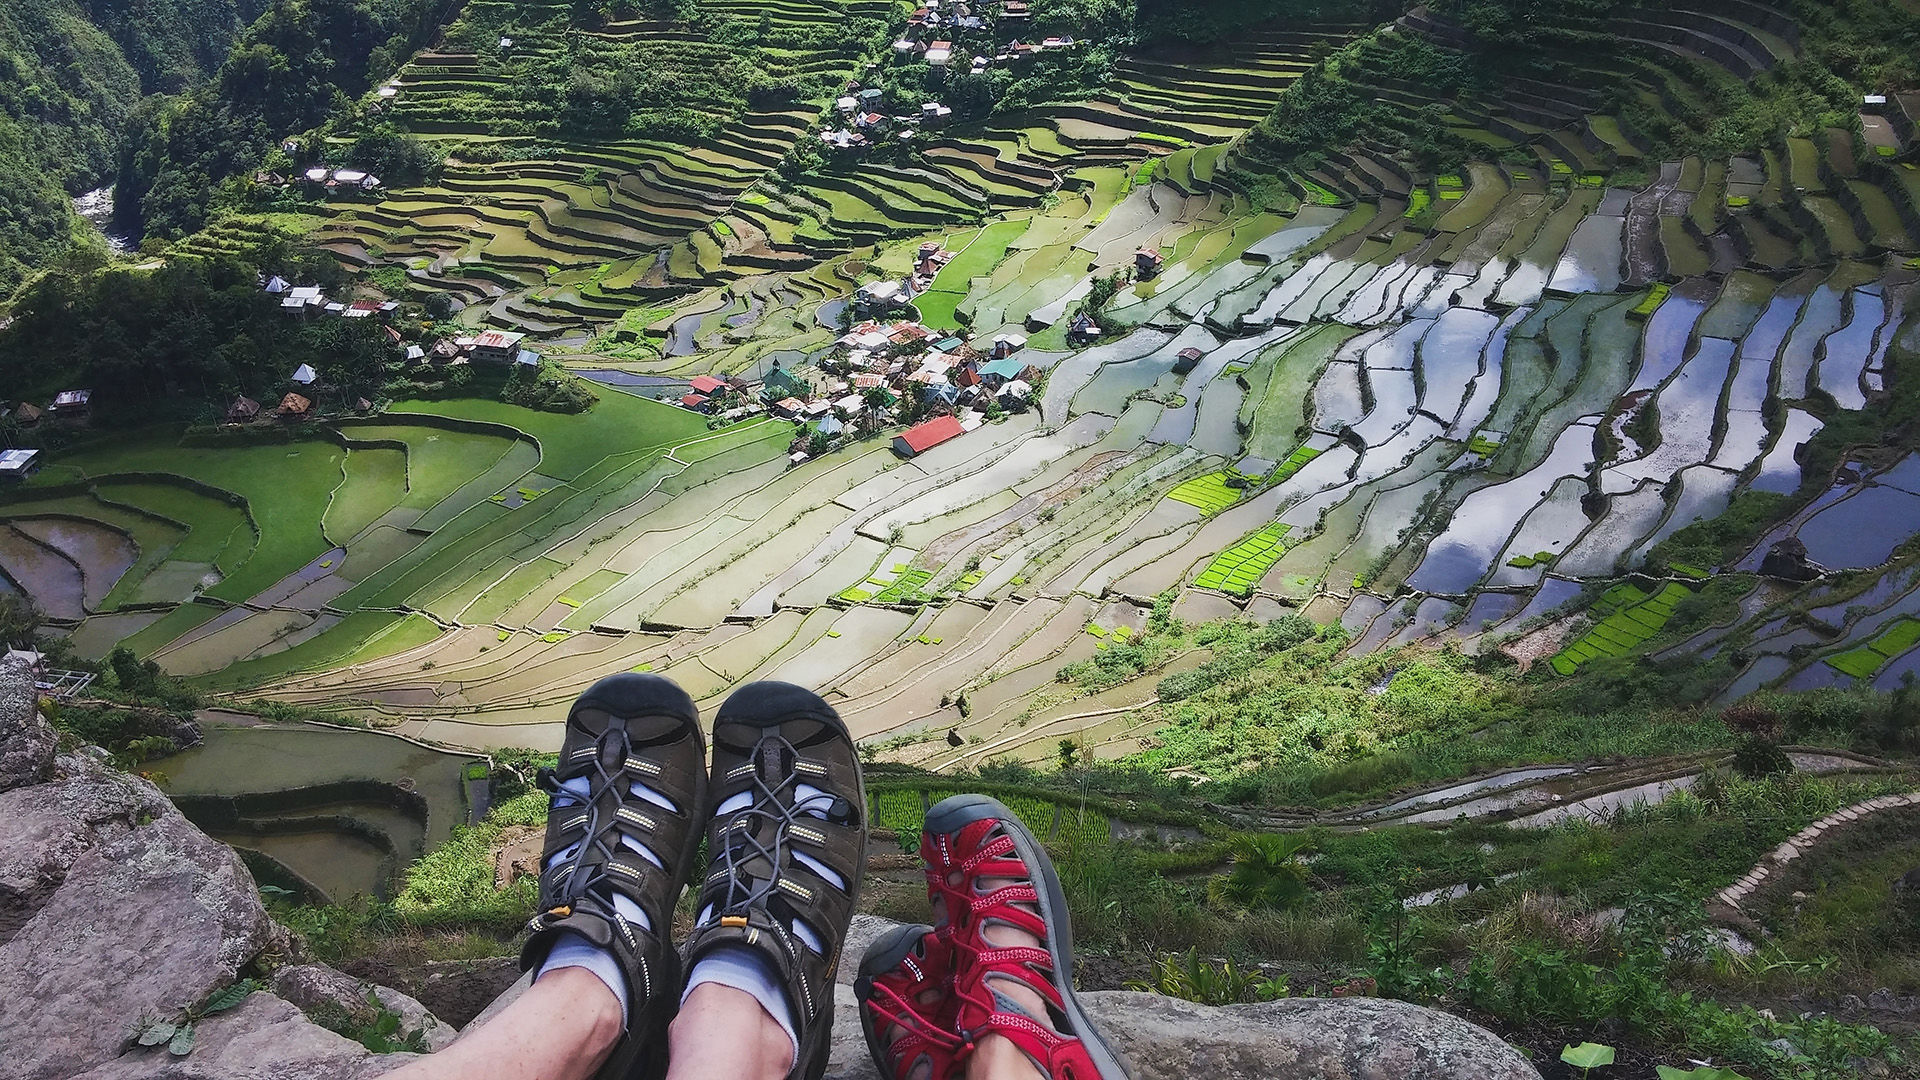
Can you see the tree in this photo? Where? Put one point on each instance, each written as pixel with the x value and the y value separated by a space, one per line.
pixel 1102 293
pixel 19 618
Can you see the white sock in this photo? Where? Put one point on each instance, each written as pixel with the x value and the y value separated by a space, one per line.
pixel 572 950
pixel 748 972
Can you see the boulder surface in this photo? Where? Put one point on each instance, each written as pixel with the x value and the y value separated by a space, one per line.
pixel 26 739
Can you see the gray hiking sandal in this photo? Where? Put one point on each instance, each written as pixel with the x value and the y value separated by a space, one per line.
pixel 611 850
pixel 786 848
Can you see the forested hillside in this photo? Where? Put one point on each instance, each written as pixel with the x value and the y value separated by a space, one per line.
pixel 292 69
pixel 71 73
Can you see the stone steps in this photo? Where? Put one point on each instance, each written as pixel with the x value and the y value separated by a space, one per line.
pixel 1802 841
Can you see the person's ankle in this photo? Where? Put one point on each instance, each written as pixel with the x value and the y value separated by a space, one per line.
pixel 717 1012
pixel 592 1002
pixel 996 1057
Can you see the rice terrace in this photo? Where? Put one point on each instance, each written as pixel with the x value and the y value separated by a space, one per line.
pixel 1482 439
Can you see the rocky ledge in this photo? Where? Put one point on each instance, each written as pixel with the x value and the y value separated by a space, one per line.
pixel 115 910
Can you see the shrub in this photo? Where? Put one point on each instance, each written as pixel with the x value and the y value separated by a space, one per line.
pixel 1267 874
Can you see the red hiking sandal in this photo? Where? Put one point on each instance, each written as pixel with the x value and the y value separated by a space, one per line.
pixel 970 839
pixel 900 969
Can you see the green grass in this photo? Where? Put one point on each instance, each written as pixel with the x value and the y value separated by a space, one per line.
pixel 1893 640
pixel 909 587
pixel 285 487
pixel 361 636
pixel 1318 195
pixel 1239 568
pixel 1649 304
pixel 169 626
pixel 1629 618
pixel 1294 463
pixel 376 480
pixel 1210 493
pixel 439 460
pixel 572 444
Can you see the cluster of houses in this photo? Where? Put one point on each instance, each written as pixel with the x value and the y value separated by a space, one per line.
pixel 871 369
pixel 323 181
pixel 493 346
pixel 861 125
pixel 937 34
pixel 66 405
pixel 312 300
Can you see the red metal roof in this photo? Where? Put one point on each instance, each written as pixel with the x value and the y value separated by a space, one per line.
pixel 926 436
pixel 693 401
pixel 706 384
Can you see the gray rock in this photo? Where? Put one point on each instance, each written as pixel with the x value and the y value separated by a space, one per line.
pixel 144 923
pixel 860 934
pixel 264 1039
pixel 1323 1038
pixel 331 997
pixel 26 739
pixel 49 826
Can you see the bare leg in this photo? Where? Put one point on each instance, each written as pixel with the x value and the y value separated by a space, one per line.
pixel 723 1034
pixel 562 1028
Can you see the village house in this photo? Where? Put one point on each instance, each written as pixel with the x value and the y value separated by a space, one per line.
pixel 924 437
pixel 1187 360
pixel 243 410
pixel 1146 262
pixel 939 54
pixel 499 346
pixel 883 296
pixel 72 402
pixel 26 414
pixel 1083 329
pixel 295 407
pixel 17 465
pixel 303 300
pixel 695 402
pixel 304 375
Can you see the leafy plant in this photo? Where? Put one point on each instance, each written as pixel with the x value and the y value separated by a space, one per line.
pixel 177 1035
pixel 1189 977
pixel 1267 872
pixel 384 1035
pixel 1587 1056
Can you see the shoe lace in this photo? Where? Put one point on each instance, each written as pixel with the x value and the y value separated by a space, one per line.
pixel 743 844
pixel 893 1008
pixel 583 882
